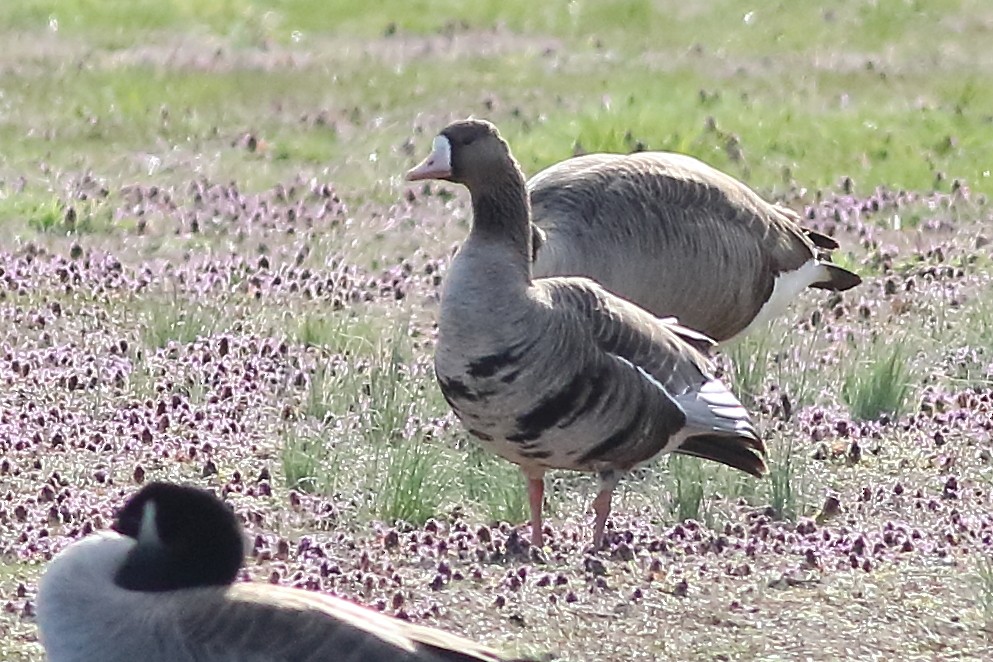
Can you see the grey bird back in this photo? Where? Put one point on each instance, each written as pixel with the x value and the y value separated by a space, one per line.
pixel 667 232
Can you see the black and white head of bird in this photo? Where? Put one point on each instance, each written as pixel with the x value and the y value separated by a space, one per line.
pixel 186 537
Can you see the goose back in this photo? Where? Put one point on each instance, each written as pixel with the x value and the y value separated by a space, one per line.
pixel 668 232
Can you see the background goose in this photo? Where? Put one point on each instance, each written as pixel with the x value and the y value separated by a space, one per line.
pixel 677 237
pixel 557 372
pixel 161 589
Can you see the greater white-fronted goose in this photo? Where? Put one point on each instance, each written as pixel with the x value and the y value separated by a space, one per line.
pixel 160 588
pixel 557 373
pixel 677 237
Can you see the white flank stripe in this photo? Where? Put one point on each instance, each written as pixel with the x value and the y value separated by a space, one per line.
pixel 786 288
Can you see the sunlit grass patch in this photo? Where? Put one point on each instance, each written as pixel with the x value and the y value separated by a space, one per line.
pixel 368 431
pixel 879 385
pixel 689 480
pixel 495 486
pixel 787 480
pixel 167 320
pixel 303 455
pixel 783 356
pixel 984 590
pixel 751 358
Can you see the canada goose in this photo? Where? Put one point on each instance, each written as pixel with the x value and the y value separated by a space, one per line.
pixel 677 237
pixel 557 373
pixel 160 588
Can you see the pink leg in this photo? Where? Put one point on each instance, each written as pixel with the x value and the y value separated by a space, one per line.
pixel 536 497
pixel 601 507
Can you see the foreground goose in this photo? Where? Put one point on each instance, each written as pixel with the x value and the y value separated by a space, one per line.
pixel 161 589
pixel 677 237
pixel 558 373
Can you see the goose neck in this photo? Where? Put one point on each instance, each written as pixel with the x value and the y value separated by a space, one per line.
pixel 502 213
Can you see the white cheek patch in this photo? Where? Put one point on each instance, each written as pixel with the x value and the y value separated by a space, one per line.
pixel 148 534
pixel 441 153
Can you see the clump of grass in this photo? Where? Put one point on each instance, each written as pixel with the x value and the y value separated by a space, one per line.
pixel 984 587
pixel 750 360
pixel 495 484
pixel 368 436
pixel 322 392
pixel 776 355
pixel 689 480
pixel 786 481
pixel 304 455
pixel 880 386
pixel 335 332
pixel 46 217
pixel 171 320
pixel 51 215
pixel 414 483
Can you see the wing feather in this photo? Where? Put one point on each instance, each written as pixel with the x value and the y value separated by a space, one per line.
pixel 253 621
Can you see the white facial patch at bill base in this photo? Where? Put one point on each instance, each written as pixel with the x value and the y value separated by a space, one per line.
pixel 437 165
pixel 441 153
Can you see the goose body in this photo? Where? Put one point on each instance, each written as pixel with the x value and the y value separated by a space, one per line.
pixel 677 237
pixel 558 373
pixel 131 597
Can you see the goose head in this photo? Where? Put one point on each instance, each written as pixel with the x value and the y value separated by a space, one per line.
pixel 472 153
pixel 467 152
pixel 184 537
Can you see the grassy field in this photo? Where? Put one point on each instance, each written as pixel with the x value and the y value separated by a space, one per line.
pixel 211 270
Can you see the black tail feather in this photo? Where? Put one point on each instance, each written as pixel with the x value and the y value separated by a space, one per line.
pixel 820 240
pixel 840 279
pixel 740 453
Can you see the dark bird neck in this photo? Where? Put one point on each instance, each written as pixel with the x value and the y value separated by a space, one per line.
pixel 502 212
pixel 154 568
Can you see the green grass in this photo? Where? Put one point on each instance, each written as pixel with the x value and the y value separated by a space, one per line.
pixel 689 480
pixel 894 122
pixel 786 479
pixel 741 29
pixel 46 214
pixel 323 392
pixel 169 320
pixel 881 385
pixel 750 359
pixel 368 433
pixel 47 217
pixel 416 476
pixel 303 458
pixel 495 485
pixel 362 432
pixel 776 360
pixel 984 590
